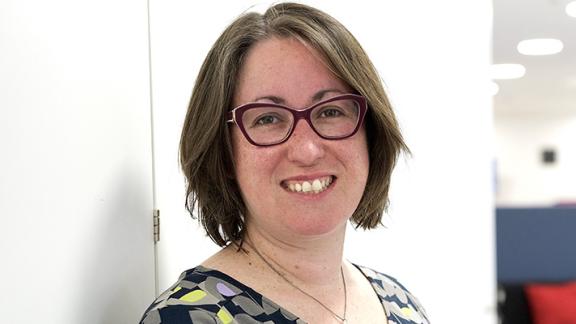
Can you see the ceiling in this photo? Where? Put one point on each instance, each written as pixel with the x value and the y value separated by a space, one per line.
pixel 549 85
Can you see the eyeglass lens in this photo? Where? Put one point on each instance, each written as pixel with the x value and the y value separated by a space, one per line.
pixel 268 124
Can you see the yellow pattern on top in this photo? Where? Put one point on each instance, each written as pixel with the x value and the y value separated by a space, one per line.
pixel 193 296
pixel 224 316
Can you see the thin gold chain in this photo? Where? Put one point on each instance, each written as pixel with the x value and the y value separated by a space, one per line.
pixel 340 318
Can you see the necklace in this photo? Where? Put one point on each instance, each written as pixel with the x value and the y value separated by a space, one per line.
pixel 340 318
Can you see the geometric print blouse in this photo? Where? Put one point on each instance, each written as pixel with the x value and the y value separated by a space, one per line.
pixel 203 295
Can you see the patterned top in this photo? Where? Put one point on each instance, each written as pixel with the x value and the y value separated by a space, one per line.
pixel 203 295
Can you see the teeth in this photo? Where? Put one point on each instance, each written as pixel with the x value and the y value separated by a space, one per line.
pixel 316 186
pixel 308 187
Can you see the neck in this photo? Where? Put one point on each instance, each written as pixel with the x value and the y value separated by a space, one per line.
pixel 312 261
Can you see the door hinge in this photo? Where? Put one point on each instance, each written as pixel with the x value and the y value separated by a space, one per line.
pixel 156 225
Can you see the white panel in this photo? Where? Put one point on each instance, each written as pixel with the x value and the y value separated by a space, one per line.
pixel 75 167
pixel 182 33
pixel 434 58
pixel 523 180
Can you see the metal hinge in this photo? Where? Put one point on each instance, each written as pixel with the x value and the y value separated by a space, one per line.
pixel 156 225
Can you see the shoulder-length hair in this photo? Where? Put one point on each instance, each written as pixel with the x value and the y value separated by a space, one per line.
pixel 205 145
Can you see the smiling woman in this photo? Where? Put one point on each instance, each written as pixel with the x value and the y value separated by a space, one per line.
pixel 305 157
pixel 289 135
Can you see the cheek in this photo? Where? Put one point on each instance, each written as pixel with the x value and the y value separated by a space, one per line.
pixel 242 165
pixel 241 157
pixel 252 164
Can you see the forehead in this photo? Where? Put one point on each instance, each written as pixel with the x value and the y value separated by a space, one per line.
pixel 285 68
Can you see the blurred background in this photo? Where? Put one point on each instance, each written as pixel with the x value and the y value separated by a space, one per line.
pixel 534 72
pixel 535 110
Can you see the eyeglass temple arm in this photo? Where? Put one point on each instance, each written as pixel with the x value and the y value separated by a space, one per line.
pixel 231 116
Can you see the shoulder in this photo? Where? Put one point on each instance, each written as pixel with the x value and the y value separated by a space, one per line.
pixel 180 303
pixel 203 295
pixel 401 306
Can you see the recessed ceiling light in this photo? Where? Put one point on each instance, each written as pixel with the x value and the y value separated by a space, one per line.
pixel 540 46
pixel 493 88
pixel 507 71
pixel 571 9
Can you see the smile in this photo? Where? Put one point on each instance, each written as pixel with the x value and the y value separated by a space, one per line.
pixel 313 186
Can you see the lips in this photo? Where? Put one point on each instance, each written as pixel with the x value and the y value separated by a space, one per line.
pixel 310 186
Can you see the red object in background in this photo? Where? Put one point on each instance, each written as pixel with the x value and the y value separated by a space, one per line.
pixel 552 303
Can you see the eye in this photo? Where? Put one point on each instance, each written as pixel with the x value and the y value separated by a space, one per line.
pixel 331 112
pixel 266 120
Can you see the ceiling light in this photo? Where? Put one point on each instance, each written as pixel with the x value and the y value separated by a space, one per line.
pixel 507 71
pixel 493 88
pixel 571 9
pixel 540 46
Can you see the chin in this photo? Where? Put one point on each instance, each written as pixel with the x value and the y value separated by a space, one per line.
pixel 317 226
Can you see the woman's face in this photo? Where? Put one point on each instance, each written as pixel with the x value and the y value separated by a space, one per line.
pixel 286 71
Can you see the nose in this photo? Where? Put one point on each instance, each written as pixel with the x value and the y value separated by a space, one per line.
pixel 305 146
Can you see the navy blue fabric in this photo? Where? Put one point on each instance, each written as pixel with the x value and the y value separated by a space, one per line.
pixel 536 244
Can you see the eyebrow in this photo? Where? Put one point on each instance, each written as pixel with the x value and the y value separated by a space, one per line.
pixel 316 97
pixel 320 94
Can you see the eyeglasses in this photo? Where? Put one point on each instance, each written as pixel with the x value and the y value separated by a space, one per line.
pixel 267 124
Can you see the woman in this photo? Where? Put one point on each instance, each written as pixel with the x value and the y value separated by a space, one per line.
pixel 288 135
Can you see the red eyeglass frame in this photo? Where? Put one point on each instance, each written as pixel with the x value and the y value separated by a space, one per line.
pixel 235 115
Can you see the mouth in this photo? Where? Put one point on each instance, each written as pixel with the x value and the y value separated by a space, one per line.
pixel 311 186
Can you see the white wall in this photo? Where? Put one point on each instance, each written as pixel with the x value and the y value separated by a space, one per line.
pixel 76 164
pixel 434 57
pixel 523 180
pixel 182 32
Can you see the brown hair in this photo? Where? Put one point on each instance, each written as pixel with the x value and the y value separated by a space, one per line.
pixel 205 145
